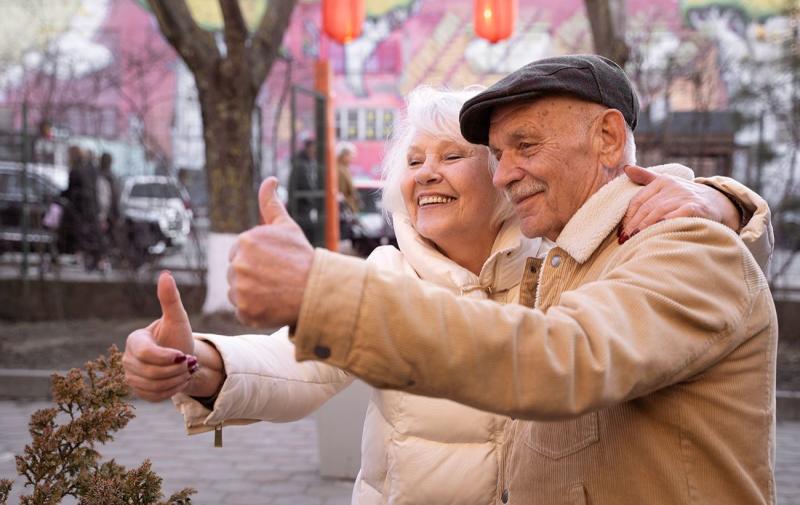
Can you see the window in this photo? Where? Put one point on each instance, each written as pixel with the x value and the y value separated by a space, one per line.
pixel 154 190
pixel 388 123
pixel 352 124
pixel 108 123
pixel 371 126
pixel 364 124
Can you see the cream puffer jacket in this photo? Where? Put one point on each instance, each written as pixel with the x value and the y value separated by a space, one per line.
pixel 414 449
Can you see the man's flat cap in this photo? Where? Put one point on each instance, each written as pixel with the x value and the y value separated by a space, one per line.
pixel 586 76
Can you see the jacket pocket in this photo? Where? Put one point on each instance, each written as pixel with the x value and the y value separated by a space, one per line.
pixel 558 439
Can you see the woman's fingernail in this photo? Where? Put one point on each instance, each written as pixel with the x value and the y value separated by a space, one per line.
pixel 635 232
pixel 191 361
pixel 180 359
pixel 622 238
pixel 194 369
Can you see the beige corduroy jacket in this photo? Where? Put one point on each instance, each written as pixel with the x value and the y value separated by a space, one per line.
pixel 645 374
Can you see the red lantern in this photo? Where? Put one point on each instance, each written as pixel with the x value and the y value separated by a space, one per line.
pixel 342 19
pixel 495 19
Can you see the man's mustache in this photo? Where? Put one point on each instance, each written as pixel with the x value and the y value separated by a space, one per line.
pixel 522 189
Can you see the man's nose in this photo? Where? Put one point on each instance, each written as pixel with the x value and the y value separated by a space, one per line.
pixel 506 172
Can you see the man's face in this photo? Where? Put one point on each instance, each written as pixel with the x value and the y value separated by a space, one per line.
pixel 547 163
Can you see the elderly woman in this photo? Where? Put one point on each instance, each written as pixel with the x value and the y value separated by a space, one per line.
pixel 453 229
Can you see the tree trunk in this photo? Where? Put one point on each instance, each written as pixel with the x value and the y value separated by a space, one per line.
pixel 227 126
pixel 227 111
pixel 228 74
pixel 607 22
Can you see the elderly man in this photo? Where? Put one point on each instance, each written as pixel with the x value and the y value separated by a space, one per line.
pixel 645 372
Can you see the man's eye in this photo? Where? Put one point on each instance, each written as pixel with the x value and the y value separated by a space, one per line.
pixel 453 156
pixel 525 146
pixel 414 163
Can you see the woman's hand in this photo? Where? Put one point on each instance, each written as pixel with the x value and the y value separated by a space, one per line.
pixel 665 197
pixel 159 360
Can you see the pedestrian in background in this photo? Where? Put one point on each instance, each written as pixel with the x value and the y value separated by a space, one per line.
pixel 349 204
pixel 304 179
pixel 79 232
pixel 107 207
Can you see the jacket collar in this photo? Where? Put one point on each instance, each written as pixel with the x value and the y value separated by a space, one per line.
pixel 603 211
pixel 501 271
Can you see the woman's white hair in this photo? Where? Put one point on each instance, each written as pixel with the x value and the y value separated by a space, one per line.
pixel 431 111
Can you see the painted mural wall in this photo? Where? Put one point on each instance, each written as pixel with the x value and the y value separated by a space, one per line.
pixel 405 43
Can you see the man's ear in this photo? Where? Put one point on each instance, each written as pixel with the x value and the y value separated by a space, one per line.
pixel 610 137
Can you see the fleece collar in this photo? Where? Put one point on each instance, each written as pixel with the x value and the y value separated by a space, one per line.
pixel 501 271
pixel 603 211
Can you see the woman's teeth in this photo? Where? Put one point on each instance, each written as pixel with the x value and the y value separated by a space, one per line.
pixel 428 200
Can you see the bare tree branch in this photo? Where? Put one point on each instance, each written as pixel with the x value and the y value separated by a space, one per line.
pixel 267 40
pixel 607 21
pixel 195 45
pixel 235 30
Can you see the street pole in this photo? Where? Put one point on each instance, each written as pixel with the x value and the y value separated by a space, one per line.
pixel 25 206
pixel 324 86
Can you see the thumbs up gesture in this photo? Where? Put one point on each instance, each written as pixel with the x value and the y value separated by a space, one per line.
pixel 159 360
pixel 173 329
pixel 269 266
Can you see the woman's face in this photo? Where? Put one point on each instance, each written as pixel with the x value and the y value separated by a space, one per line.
pixel 448 192
pixel 346 157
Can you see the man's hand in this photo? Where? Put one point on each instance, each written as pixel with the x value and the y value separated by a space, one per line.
pixel 665 196
pixel 269 266
pixel 158 360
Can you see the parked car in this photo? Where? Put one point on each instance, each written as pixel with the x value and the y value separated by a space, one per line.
pixel 372 227
pixel 157 213
pixel 41 193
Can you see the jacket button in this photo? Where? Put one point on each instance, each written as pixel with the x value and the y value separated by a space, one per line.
pixel 555 261
pixel 504 496
pixel 322 352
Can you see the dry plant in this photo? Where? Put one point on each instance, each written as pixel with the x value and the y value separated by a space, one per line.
pixel 90 405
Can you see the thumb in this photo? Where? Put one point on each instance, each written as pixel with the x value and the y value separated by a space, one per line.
pixel 170 299
pixel 640 175
pixel 272 210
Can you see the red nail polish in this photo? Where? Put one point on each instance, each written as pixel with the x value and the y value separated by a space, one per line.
pixel 622 238
pixel 635 232
pixel 191 361
pixel 179 359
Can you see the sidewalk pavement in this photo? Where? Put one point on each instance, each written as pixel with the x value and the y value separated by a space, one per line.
pixel 263 463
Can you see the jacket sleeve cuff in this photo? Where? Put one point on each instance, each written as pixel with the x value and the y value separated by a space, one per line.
pixel 757 232
pixel 237 358
pixel 330 308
